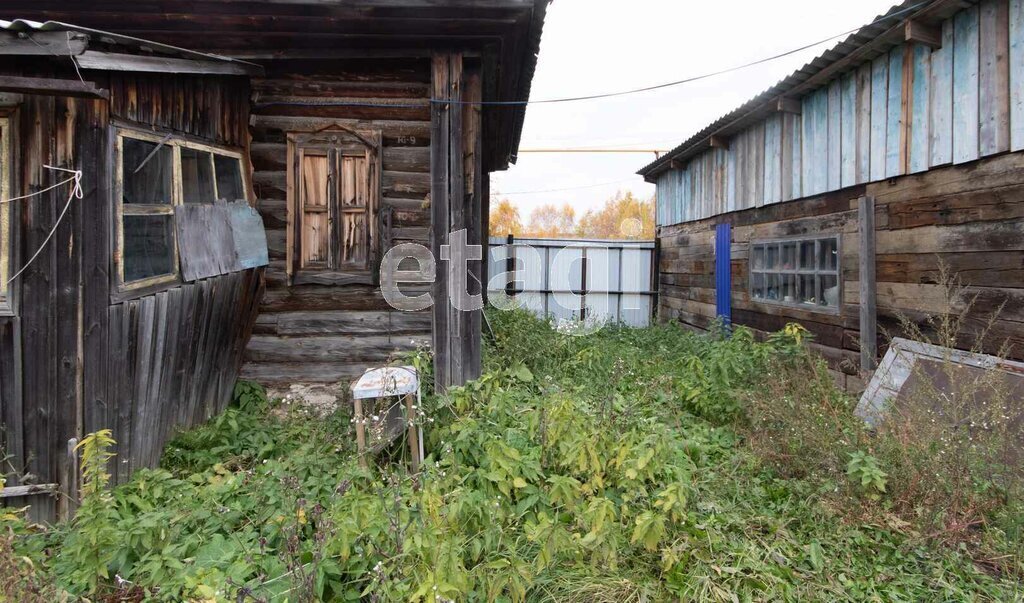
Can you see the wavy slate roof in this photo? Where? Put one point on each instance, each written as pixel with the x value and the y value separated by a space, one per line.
pixel 870 41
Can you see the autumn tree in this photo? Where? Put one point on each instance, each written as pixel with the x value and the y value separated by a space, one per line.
pixel 505 220
pixel 548 221
pixel 622 217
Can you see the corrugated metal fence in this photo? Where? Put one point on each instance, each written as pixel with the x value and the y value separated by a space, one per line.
pixel 577 278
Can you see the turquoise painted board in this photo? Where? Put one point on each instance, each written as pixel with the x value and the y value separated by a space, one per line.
pixel 894 115
pixel 879 100
pixel 1016 33
pixel 730 182
pixel 993 78
pixel 738 148
pixel 773 159
pixel 863 116
pixel 788 171
pixel 796 147
pixel 834 137
pixel 940 128
pixel 756 150
pixel 965 85
pixel 687 194
pixel 919 120
pixel 848 129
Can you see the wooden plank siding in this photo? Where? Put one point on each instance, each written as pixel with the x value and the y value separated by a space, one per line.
pixel 971 217
pixel 907 110
pixel 76 358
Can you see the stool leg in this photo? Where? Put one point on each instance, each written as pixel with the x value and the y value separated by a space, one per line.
pixel 414 446
pixel 360 433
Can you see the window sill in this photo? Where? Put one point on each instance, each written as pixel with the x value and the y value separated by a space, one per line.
pixel 797 306
pixel 144 288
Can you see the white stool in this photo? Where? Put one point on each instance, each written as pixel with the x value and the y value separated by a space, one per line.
pixel 387 382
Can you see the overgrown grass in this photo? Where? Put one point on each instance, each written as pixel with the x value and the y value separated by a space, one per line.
pixel 611 467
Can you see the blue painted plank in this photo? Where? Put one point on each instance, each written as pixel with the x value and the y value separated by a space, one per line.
pixel 807 141
pixel 730 181
pixel 940 128
pixel 863 117
pixel 921 80
pixel 723 272
pixel 894 115
pixel 879 102
pixel 848 130
pixel 756 150
pixel 1016 23
pixel 687 195
pixel 250 239
pixel 965 85
pixel 796 148
pixel 834 137
pixel 773 159
pixel 993 77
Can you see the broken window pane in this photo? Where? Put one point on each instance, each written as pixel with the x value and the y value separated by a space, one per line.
pixel 147 172
pixel 229 178
pixel 148 246
pixel 196 176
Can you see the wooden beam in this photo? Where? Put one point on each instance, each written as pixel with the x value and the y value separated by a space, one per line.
pixel 868 286
pixel 16 491
pixel 109 61
pixel 718 142
pixel 52 87
pixel 676 165
pixel 45 43
pixel 929 35
pixel 788 104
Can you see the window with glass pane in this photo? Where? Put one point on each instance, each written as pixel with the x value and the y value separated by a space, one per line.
pixel 229 178
pixel 802 273
pixel 147 211
pixel 197 176
pixel 148 246
pixel 147 172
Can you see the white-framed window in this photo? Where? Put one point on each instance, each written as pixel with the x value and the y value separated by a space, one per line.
pixel 802 272
pixel 153 175
pixel 6 213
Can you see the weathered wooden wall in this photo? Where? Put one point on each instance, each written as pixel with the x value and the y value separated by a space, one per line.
pixel 346 327
pixel 72 360
pixel 910 109
pixel 970 216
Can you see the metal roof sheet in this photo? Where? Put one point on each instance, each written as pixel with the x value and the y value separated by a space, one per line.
pixel 27 25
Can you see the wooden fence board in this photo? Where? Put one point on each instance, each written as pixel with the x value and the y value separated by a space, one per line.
pixel 862 115
pixel 994 77
pixel 919 108
pixel 1016 69
pixel 834 148
pixel 940 128
pixel 894 114
pixel 879 103
pixel 773 159
pixel 965 85
pixel 848 130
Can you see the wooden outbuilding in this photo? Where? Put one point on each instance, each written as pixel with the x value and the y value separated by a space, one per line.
pixel 131 259
pixel 376 122
pixel 831 199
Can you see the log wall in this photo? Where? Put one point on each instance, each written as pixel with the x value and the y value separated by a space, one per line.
pixel 970 216
pixel 73 359
pixel 348 326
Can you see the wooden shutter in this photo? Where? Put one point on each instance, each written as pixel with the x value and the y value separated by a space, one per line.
pixel 355 212
pixel 314 200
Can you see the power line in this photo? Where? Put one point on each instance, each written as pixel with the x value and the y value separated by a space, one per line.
pixel 568 188
pixel 422 104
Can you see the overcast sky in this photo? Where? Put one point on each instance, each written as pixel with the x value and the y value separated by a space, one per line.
pixel 597 46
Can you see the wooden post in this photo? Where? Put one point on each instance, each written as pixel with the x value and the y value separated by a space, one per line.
pixel 439 203
pixel 360 432
pixel 868 285
pixel 414 444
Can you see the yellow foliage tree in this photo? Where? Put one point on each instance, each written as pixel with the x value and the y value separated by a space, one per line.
pixel 505 220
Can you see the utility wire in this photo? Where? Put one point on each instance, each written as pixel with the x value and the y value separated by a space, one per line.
pixel 517 103
pixel 559 190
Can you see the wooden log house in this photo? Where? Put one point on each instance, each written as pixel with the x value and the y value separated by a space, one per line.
pixel 128 307
pixel 831 198
pixel 350 156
